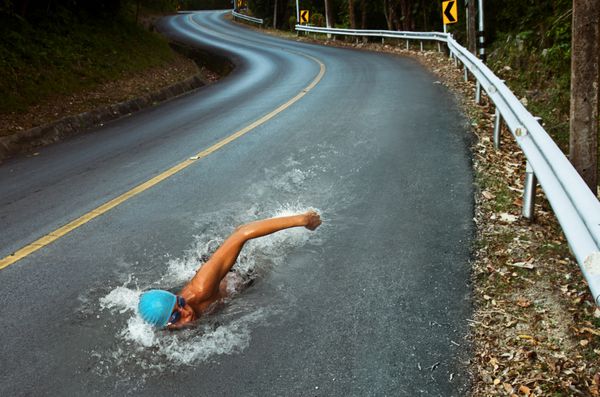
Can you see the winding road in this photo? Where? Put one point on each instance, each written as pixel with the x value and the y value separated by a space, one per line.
pixel 373 303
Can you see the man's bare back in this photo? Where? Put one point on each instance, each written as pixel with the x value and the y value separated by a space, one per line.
pixel 209 285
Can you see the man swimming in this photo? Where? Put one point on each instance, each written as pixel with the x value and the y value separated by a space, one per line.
pixel 162 308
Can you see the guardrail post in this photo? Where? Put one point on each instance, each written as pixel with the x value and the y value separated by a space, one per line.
pixel 529 192
pixel 382 40
pixel 439 47
pixel 478 93
pixel 421 46
pixel 529 188
pixel 407 45
pixel 466 73
pixel 497 124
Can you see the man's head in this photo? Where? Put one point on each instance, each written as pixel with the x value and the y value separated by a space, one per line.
pixel 161 308
pixel 157 307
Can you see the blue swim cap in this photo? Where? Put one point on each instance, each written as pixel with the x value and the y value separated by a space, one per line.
pixel 156 306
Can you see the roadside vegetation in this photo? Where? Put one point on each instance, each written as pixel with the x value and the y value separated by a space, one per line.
pixel 53 48
pixel 531 49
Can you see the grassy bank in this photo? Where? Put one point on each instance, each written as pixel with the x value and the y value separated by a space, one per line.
pixel 534 58
pixel 539 75
pixel 69 53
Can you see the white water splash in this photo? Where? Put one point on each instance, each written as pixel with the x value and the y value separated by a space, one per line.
pixel 144 346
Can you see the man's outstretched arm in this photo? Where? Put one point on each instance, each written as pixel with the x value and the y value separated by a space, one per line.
pixel 206 281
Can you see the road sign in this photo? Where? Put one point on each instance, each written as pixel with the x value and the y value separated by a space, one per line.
pixel 449 12
pixel 304 16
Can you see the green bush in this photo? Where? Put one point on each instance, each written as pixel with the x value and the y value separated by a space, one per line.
pixel 68 53
pixel 317 19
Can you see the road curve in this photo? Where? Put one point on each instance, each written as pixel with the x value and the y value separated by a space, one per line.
pixel 375 302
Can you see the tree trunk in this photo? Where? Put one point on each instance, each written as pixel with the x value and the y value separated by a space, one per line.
pixel 388 14
pixel 585 77
pixel 23 8
pixel 472 27
pixel 406 18
pixel 328 14
pixel 137 11
pixel 363 14
pixel 275 16
pixel 424 12
pixel 351 14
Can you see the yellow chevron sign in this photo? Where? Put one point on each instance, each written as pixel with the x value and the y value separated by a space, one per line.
pixel 304 16
pixel 449 12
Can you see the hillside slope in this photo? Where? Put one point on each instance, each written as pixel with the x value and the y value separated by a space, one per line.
pixel 66 52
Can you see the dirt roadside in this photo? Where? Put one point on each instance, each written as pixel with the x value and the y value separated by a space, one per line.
pixel 65 115
pixel 108 93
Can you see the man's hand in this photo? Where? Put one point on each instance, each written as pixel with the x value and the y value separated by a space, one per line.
pixel 313 220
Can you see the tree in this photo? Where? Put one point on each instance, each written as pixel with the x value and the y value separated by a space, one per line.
pixel 389 11
pixel 406 21
pixel 329 13
pixel 585 77
pixel 472 27
pixel 363 14
pixel 351 16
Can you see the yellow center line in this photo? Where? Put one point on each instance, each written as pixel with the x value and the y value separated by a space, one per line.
pixel 82 220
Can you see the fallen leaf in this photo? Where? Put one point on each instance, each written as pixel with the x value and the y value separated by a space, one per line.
pixel 518 201
pixel 510 323
pixel 591 331
pixel 523 302
pixel 525 390
pixel 509 218
pixel 494 363
pixel 488 195
pixel 508 388
pixel 584 342
pixel 522 265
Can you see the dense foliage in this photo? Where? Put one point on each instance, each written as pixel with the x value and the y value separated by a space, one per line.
pixel 57 47
pixel 544 19
pixel 531 49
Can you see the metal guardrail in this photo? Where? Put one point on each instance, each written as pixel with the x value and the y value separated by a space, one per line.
pixel 376 33
pixel 576 207
pixel 246 17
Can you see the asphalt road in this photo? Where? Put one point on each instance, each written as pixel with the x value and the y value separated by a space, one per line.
pixel 375 302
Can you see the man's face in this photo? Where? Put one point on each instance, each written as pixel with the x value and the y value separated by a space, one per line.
pixel 186 314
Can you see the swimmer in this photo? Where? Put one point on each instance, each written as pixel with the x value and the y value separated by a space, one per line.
pixel 209 286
